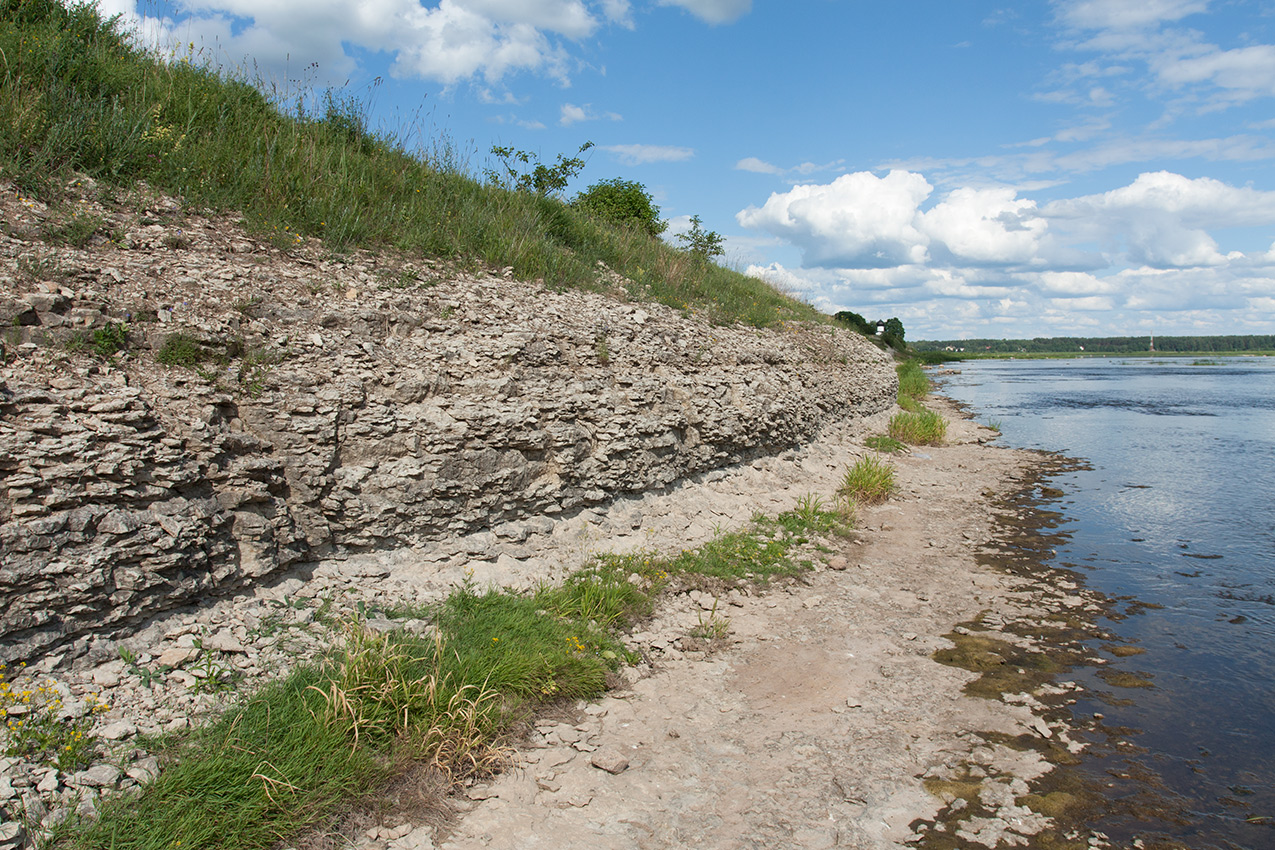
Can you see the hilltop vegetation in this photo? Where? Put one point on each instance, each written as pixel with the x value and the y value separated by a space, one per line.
pixel 79 97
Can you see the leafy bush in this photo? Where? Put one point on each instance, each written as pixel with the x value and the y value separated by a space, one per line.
pixel 34 726
pixel 103 342
pixel 623 203
pixel 539 179
pixel 893 335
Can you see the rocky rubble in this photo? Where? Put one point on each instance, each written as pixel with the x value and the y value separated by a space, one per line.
pixel 324 405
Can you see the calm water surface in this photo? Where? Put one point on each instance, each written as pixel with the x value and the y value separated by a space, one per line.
pixel 1178 510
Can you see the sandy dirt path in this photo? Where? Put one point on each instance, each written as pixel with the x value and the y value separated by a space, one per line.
pixel 818 721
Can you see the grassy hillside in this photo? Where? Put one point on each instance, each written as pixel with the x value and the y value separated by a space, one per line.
pixel 77 96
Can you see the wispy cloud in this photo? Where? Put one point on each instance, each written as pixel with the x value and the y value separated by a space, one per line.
pixel 644 154
pixel 760 166
pixel 572 114
pixel 1151 33
pixel 713 11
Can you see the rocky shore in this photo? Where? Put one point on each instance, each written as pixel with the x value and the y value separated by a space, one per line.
pixel 822 720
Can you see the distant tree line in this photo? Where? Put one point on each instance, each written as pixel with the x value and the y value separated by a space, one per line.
pixel 1102 345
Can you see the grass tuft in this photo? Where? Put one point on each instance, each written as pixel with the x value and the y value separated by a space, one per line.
pixel 883 443
pixel 920 428
pixel 870 481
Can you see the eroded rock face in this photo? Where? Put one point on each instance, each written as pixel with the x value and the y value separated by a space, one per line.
pixel 343 405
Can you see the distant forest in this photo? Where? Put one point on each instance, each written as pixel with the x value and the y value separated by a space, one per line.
pixel 1101 345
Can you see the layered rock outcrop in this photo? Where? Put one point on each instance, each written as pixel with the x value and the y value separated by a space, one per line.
pixel 314 406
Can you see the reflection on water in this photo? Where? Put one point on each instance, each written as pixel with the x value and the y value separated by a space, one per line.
pixel 1178 510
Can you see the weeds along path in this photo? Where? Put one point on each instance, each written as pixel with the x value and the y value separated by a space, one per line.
pixel 817 720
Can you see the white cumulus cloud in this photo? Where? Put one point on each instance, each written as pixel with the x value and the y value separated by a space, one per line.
pixel 986 226
pixel 1107 258
pixel 450 41
pixel 572 114
pixel 1163 220
pixel 858 220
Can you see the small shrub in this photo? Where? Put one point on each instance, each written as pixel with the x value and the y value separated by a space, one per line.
pixel 702 244
pixel 538 179
pixel 870 481
pixel 255 367
pixel 712 628
pixel 180 349
pixel 920 428
pixel 76 230
pixel 603 349
pixel 102 343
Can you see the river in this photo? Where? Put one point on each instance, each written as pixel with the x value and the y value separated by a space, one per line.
pixel 1176 510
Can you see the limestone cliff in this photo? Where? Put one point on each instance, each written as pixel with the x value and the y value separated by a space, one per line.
pixel 323 405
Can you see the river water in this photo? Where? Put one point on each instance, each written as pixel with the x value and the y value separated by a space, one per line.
pixel 1176 510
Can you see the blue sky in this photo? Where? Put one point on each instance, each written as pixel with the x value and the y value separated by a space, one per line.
pixel 1074 167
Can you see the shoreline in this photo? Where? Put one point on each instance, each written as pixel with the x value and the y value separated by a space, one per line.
pixel 823 720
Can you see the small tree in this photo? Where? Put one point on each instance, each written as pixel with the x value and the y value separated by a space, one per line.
pixel 893 335
pixel 623 203
pixel 703 244
pixel 543 180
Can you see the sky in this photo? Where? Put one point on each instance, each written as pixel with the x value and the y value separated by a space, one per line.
pixel 1012 170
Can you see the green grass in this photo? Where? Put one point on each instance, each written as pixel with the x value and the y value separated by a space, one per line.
pixel 870 481
pixel 913 382
pixel 812 516
pixel 917 425
pixel 77 97
pixel 884 443
pixel 180 349
pixel 300 750
pixel 920 428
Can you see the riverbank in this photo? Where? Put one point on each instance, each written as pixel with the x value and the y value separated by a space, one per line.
pixel 825 721
pixel 818 719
